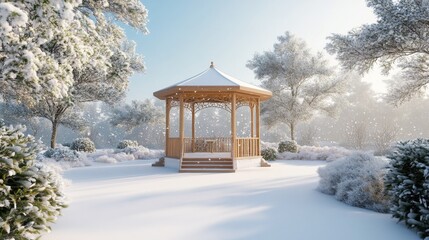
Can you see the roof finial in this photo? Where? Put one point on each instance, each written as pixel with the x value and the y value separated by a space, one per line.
pixel 211 65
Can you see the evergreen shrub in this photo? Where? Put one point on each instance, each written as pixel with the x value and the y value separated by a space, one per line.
pixel 30 193
pixel 288 146
pixel 269 154
pixel 407 182
pixel 83 145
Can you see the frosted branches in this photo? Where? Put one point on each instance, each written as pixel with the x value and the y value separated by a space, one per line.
pixel 400 35
pixel 44 44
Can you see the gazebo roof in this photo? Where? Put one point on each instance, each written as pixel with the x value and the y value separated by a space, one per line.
pixel 213 81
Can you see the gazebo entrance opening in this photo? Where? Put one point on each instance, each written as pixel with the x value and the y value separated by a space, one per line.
pixel 219 143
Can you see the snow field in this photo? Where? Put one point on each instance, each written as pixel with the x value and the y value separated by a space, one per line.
pixel 132 200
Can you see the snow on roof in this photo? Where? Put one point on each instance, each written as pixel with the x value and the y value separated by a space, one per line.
pixel 212 77
pixel 216 78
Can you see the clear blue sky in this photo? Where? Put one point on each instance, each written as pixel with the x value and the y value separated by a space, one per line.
pixel 186 35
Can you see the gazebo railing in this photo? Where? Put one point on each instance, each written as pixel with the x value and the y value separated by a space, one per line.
pixel 207 144
pixel 244 147
pixel 247 147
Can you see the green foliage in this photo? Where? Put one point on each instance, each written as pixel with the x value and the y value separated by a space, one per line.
pixel 288 146
pixel 30 193
pixel 83 145
pixel 269 154
pixel 407 181
pixel 127 143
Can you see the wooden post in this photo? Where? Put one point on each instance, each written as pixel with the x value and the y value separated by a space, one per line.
pixel 252 121
pixel 258 128
pixel 167 125
pixel 233 126
pixel 193 127
pixel 182 126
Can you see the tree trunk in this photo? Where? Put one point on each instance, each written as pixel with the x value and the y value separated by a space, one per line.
pixel 292 131
pixel 54 133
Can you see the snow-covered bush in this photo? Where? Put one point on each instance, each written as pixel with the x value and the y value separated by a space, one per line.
pixel 48 153
pixel 105 159
pixel 65 157
pixel 141 152
pixel 407 182
pixel 83 145
pixel 316 153
pixel 109 156
pixel 288 146
pixel 30 193
pixel 269 154
pixel 127 143
pixel 356 180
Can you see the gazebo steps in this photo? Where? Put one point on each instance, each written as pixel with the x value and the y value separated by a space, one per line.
pixel 207 165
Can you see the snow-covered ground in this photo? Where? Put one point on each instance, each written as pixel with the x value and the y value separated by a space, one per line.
pixel 132 200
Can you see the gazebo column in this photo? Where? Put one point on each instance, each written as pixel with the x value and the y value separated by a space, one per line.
pixel 233 126
pixel 167 125
pixel 193 127
pixel 258 129
pixel 252 119
pixel 182 126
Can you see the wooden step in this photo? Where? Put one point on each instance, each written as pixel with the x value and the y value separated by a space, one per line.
pixel 208 162
pixel 200 170
pixel 206 166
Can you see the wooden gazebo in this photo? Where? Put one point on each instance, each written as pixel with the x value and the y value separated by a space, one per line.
pixel 213 88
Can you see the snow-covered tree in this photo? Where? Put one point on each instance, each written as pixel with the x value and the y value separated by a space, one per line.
pixel 129 116
pixel 302 83
pixel 68 115
pixel 43 43
pixel 26 30
pixel 57 54
pixel 399 37
pixel 92 84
